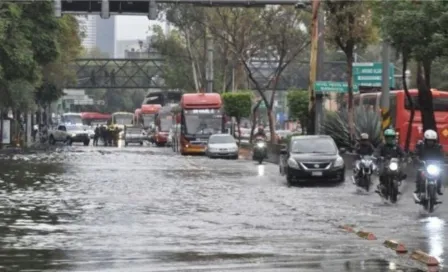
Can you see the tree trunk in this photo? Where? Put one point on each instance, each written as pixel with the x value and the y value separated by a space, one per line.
pixel 405 57
pixel 425 95
pixel 254 120
pixel 271 125
pixel 238 123
pixel 1 128
pixel 351 114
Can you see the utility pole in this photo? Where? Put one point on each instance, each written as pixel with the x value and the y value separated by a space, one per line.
pixel 209 61
pixel 386 120
pixel 313 65
pixel 319 114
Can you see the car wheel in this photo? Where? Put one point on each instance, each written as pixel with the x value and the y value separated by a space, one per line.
pixel 289 179
pixel 141 143
pixel 69 141
pixel 235 157
pixel 126 143
pixel 86 143
pixel 51 141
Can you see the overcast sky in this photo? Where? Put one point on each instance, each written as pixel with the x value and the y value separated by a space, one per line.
pixel 133 27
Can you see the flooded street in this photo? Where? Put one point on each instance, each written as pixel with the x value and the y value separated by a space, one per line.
pixel 148 209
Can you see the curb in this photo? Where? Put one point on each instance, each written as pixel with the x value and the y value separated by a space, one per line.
pixel 394 245
pixel 417 255
pixel 424 258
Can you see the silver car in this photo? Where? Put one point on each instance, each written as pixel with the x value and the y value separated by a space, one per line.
pixel 222 146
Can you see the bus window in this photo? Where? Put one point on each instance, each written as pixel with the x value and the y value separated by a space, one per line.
pixel 370 101
pixel 439 103
pixel 356 100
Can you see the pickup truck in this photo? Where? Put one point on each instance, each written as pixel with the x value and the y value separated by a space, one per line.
pixel 69 134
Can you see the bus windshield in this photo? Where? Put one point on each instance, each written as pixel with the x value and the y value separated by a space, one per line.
pixel 165 124
pixel 148 119
pixel 124 119
pixel 72 119
pixel 203 122
pixel 439 103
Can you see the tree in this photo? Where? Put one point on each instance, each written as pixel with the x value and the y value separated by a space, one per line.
pixel 349 25
pixel 238 105
pixel 419 31
pixel 298 107
pixel 58 72
pixel 180 69
pixel 275 34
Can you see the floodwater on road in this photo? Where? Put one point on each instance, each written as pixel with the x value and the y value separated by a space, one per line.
pixel 148 209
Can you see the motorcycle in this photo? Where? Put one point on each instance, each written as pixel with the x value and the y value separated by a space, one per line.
pixel 393 180
pixel 364 169
pixel 260 150
pixel 431 174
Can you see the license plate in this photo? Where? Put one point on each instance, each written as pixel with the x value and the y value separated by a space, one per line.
pixel 316 174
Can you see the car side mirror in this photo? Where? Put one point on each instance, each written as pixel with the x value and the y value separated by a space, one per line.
pixel 342 150
pixel 283 151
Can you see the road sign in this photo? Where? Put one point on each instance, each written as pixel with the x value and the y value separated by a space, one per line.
pixel 333 86
pixel 370 73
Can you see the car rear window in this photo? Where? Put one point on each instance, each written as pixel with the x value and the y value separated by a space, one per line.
pixel 221 139
pixel 313 145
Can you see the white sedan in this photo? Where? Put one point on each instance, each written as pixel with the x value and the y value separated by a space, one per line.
pixel 222 146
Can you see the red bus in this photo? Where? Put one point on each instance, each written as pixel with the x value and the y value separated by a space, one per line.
pixel 148 114
pixel 200 116
pixel 164 122
pixel 94 118
pixel 400 112
pixel 137 116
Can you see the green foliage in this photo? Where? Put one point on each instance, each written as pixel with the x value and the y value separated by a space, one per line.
pixel 298 106
pixel 418 30
pixel 335 124
pixel 238 104
pixel 31 40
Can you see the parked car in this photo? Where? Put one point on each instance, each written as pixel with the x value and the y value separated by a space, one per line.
pixel 69 134
pixel 312 158
pixel 222 146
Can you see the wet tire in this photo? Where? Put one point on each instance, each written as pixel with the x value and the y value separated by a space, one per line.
pixel 86 143
pixel 51 140
pixel 69 141
pixel 141 143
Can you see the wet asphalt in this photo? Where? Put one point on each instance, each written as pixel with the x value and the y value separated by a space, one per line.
pixel 148 209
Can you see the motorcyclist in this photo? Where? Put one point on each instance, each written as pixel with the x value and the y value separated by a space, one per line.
pixel 363 148
pixel 428 150
pixel 260 133
pixel 389 149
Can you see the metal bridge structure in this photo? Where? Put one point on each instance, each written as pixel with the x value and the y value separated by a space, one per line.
pixel 149 73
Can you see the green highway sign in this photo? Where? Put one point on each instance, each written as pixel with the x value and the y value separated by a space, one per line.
pixel 333 86
pixel 370 74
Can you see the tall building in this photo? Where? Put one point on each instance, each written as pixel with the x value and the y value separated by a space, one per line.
pixel 98 33
pixel 105 35
pixel 87 25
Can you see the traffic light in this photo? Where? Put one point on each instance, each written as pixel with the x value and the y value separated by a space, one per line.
pixel 152 10
pixel 105 12
pixel 57 8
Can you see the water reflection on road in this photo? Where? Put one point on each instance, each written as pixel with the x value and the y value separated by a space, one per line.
pixel 147 209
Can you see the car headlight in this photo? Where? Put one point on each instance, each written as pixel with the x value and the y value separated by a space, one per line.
pixel 292 163
pixel 339 162
pixel 261 145
pixel 433 170
pixel 73 134
pixel 393 166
